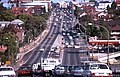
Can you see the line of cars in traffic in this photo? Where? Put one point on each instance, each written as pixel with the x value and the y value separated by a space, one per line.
pixel 86 69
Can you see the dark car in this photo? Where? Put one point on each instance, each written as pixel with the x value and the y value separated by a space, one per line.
pixel 77 71
pixel 68 70
pixel 59 71
pixel 38 71
pixel 25 71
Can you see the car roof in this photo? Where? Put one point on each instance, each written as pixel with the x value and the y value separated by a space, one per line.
pixel 6 67
pixel 98 63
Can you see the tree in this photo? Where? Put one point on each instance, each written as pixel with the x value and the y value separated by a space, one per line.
pixel 117 13
pixel 7 15
pixel 33 24
pixel 9 40
pixel 92 30
pixel 113 5
pixel 108 8
pixel 27 21
pixel 2 8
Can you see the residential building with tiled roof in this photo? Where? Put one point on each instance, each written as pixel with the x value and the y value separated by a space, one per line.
pixel 115 32
pixel 32 3
pixel 30 10
pixel 118 2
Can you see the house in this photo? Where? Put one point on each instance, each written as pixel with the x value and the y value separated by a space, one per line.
pixel 118 2
pixel 17 28
pixel 31 10
pixel 32 3
pixel 115 32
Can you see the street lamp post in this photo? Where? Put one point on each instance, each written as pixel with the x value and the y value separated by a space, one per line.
pixel 107 43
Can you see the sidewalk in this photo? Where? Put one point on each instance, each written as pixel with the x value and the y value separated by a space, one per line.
pixel 28 47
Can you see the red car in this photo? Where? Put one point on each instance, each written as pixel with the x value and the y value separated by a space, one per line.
pixel 25 71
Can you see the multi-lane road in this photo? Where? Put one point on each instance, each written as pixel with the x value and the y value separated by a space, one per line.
pixel 35 55
pixel 63 24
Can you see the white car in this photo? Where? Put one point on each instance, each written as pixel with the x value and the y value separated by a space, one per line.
pixel 76 46
pixel 69 46
pixel 52 49
pixel 42 49
pixel 7 71
pixel 97 70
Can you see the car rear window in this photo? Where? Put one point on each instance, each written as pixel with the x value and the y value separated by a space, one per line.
pixel 103 67
pixel 77 68
pixel 6 69
pixel 98 66
pixel 25 68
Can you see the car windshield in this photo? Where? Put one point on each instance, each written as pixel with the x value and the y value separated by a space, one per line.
pixel 98 66
pixel 77 68
pixel 6 69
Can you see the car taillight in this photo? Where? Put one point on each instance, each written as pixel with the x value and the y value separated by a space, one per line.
pixel 110 74
pixel 92 74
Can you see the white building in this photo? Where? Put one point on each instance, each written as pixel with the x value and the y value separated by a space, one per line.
pixel 32 3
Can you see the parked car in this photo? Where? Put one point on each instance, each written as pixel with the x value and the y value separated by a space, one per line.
pixel 59 71
pixel 97 70
pixel 7 71
pixel 25 70
pixel 77 71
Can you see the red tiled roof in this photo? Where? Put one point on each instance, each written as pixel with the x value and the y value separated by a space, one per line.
pixel 1 49
pixel 118 1
pixel 15 10
pixel 88 8
pixel 19 10
pixel 116 27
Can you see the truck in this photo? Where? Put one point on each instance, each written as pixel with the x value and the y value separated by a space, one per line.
pixel 48 65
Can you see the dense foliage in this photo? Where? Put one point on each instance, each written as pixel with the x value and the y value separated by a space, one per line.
pixel 33 26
